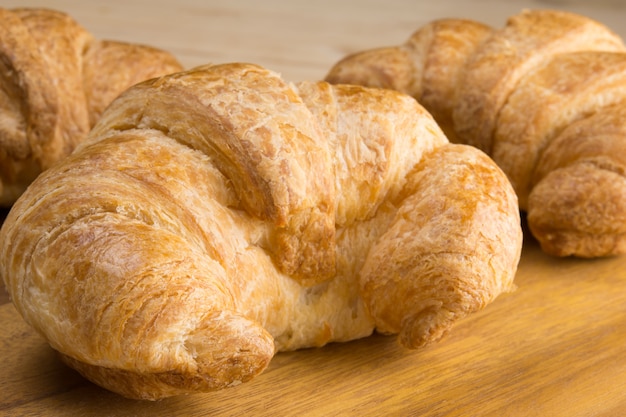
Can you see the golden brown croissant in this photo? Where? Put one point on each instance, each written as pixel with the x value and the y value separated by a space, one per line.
pixel 523 94
pixel 55 81
pixel 218 215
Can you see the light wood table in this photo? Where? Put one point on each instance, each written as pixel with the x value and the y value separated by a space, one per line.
pixel 555 347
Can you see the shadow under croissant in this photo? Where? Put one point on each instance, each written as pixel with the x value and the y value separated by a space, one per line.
pixel 153 295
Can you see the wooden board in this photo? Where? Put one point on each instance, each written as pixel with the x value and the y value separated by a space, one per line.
pixel 555 347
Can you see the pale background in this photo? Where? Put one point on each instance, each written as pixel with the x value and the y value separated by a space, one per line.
pixel 299 38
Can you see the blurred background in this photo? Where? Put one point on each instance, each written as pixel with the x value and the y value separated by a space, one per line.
pixel 268 33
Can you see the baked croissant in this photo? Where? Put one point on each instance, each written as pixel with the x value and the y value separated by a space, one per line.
pixel 55 81
pixel 216 216
pixel 544 96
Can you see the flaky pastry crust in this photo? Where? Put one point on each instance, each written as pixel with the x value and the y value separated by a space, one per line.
pixel 216 216
pixel 512 92
pixel 55 81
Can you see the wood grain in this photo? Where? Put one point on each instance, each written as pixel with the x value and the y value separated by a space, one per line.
pixel 555 347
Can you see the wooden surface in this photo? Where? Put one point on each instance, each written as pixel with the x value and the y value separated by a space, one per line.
pixel 555 347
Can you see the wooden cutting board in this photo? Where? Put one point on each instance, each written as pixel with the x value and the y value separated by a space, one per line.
pixel 554 347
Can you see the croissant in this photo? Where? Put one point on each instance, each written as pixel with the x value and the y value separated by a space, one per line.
pixel 216 216
pixel 56 79
pixel 544 96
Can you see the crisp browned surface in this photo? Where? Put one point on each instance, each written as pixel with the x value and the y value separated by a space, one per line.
pixel 56 79
pixel 167 267
pixel 514 92
pixel 555 347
